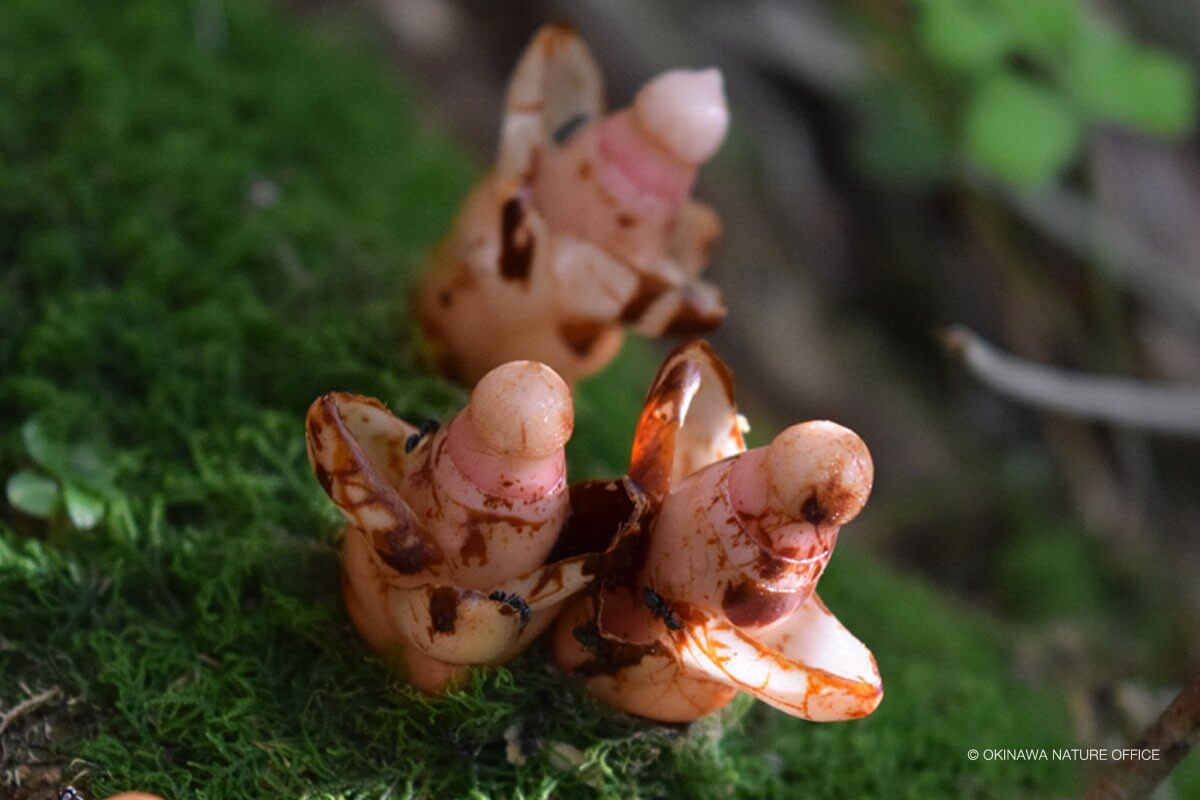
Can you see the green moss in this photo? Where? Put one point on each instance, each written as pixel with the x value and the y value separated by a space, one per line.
pixel 1049 573
pixel 198 235
pixel 1186 778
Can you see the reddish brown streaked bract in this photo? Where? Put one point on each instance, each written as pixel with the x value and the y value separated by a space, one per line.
pixel 712 590
pixel 584 226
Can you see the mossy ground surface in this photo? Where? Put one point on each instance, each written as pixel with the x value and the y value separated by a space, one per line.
pixel 202 228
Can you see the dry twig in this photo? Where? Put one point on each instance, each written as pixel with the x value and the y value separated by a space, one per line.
pixel 25 706
pixel 1172 735
pixel 1156 407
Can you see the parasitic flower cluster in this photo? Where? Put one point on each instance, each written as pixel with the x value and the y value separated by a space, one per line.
pixel 674 587
pixel 584 226
pixel 671 589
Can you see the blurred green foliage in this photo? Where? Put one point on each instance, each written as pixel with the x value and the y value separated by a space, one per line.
pixel 202 228
pixel 73 479
pixel 1013 87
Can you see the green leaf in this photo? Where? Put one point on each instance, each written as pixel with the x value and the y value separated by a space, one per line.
pixel 81 463
pixel 1043 25
pixel 968 38
pixel 1020 131
pixel 84 508
pixel 32 493
pixel 48 454
pixel 1122 82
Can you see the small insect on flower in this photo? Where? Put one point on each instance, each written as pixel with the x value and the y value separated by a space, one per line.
pixel 661 609
pixel 427 427
pixel 584 226
pixel 513 601
pixel 712 591
pixel 451 555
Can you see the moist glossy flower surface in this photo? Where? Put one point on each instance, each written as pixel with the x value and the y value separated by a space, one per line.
pixel 710 588
pixel 447 556
pixel 678 585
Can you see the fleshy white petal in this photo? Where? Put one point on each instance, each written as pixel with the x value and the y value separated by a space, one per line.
pixel 808 666
pixel 458 626
pixel 462 626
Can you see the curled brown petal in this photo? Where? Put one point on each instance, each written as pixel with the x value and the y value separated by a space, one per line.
pixel 357 451
pixel 689 420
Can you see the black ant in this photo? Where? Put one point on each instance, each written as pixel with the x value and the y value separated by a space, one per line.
pixel 568 128
pixel 661 609
pixel 513 601
pixel 427 427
